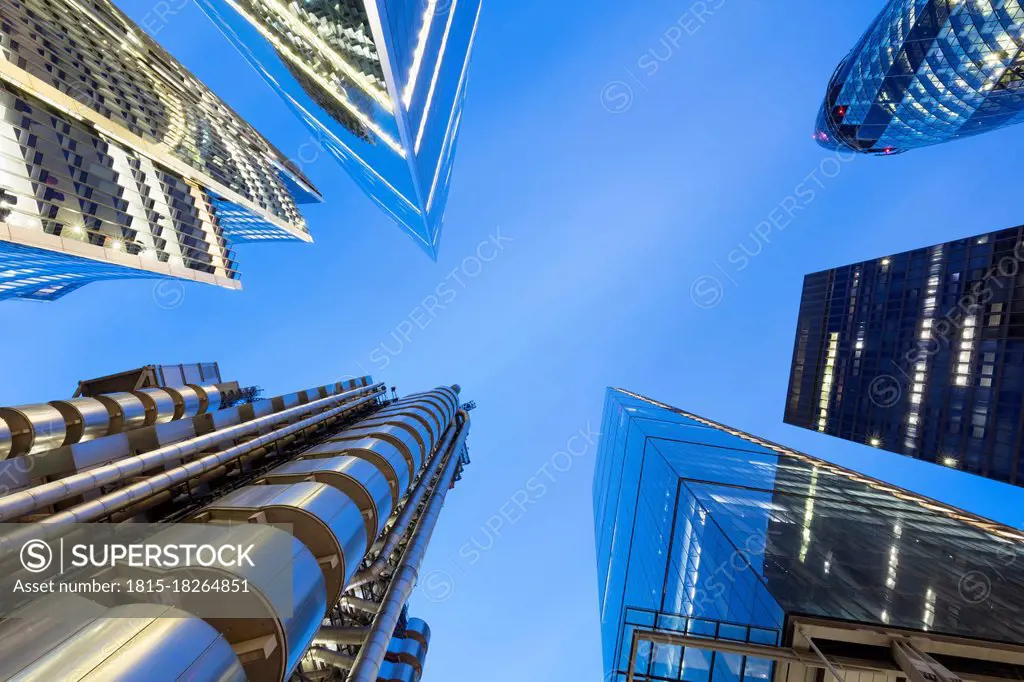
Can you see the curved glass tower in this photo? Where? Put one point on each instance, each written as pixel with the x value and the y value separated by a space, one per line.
pixel 926 72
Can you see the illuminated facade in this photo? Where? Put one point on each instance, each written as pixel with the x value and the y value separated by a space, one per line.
pixel 726 558
pixel 920 353
pixel 926 72
pixel 380 85
pixel 356 480
pixel 115 162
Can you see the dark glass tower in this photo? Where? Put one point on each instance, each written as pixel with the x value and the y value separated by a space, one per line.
pixel 925 72
pixel 726 558
pixel 920 353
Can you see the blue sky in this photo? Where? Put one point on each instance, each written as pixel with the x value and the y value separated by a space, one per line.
pixel 606 221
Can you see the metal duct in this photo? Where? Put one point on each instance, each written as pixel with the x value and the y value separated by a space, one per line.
pixel 371 654
pixel 381 453
pixel 34 428
pixel 6 441
pixel 417 411
pixel 85 419
pixel 269 642
pixel 187 401
pixel 18 504
pixel 124 643
pixel 326 520
pixel 127 411
pixel 211 397
pixel 330 657
pixel 360 480
pixel 419 431
pixel 399 438
pixel 102 506
pixel 160 405
pixel 348 636
pixel 401 525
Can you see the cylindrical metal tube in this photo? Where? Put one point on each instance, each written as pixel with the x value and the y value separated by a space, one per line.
pixel 21 503
pixel 160 405
pixel 401 525
pixel 210 396
pixel 371 655
pixel 188 402
pixel 329 657
pixel 85 418
pixel 123 497
pixel 34 428
pixel 127 411
pixel 351 636
pixel 5 439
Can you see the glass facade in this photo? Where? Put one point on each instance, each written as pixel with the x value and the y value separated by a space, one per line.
pixel 116 162
pixel 706 531
pixel 920 353
pixel 380 85
pixel 925 72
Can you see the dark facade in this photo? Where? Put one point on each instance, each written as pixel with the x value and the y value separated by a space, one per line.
pixel 920 353
pixel 926 72
pixel 725 557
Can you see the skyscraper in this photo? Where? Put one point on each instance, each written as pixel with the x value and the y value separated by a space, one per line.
pixel 926 72
pixel 723 557
pixel 357 479
pixel 920 353
pixel 380 85
pixel 116 162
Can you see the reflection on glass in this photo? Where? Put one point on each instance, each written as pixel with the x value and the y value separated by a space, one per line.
pixel 925 72
pixel 380 85
pixel 756 532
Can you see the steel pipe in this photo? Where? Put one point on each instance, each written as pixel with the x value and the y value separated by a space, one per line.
pixel 359 604
pixel 401 525
pixel 85 419
pixel 34 428
pixel 348 636
pixel 371 655
pixel 102 506
pixel 26 501
pixel 161 405
pixel 6 442
pixel 330 657
pixel 127 411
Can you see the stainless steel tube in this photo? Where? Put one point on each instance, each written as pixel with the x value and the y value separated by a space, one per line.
pixel 373 571
pixel 341 635
pixel 371 655
pixel 123 497
pixel 26 501
pixel 332 658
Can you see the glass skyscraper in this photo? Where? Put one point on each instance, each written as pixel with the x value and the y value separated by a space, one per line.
pixel 115 162
pixel 336 491
pixel 920 353
pixel 723 557
pixel 379 83
pixel 926 72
